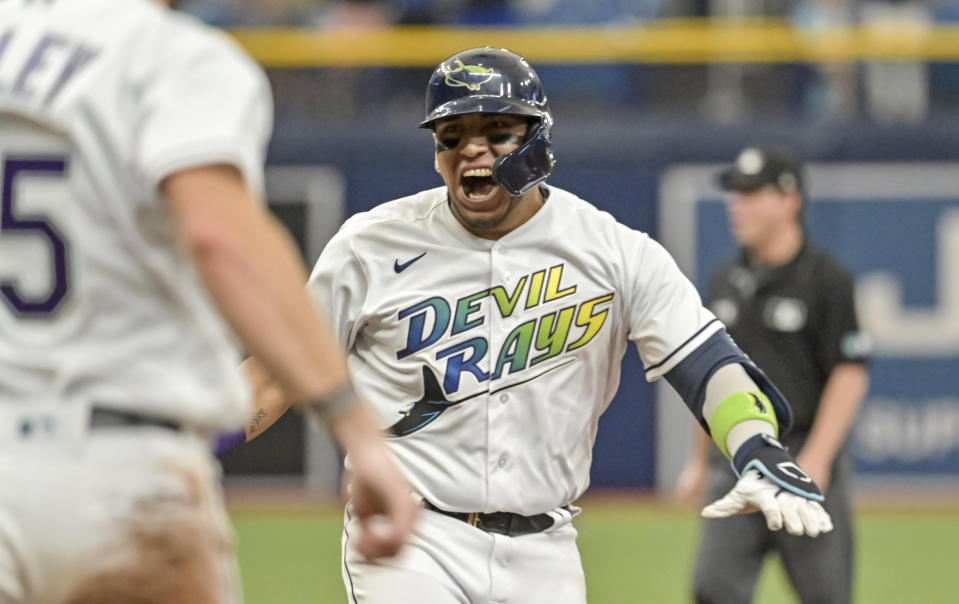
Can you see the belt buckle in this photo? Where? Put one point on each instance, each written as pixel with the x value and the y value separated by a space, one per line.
pixel 473 519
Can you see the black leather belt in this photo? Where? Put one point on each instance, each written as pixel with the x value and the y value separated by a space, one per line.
pixel 502 523
pixel 101 417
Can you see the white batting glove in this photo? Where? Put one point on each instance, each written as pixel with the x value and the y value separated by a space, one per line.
pixel 770 480
pixel 780 507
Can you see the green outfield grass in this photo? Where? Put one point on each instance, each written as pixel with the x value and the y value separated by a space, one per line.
pixel 632 554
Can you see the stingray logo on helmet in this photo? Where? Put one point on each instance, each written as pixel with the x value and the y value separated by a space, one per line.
pixel 470 76
pixel 494 80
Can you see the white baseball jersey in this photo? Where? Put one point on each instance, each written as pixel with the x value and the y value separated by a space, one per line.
pixel 491 361
pixel 99 101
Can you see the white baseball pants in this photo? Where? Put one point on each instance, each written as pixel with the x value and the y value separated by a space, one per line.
pixel 92 515
pixel 447 561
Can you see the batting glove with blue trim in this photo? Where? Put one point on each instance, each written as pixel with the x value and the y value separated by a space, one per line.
pixel 771 481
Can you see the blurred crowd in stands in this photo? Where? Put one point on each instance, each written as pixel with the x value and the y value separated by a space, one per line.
pixel 883 92
pixel 335 13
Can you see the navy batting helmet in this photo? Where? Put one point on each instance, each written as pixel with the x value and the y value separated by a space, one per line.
pixel 490 80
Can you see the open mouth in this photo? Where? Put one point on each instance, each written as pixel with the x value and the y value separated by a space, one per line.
pixel 478 183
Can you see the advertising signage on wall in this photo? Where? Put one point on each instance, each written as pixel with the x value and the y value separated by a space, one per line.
pixel 896 227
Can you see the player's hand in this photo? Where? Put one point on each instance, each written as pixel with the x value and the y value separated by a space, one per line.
pixel 770 480
pixel 780 507
pixel 380 496
pixel 381 503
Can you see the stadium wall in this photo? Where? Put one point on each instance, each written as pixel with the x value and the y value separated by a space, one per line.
pixel 622 168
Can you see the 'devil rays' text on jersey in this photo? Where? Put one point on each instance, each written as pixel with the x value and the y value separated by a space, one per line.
pixel 490 362
pixel 543 337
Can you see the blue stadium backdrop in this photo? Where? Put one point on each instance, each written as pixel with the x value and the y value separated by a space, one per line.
pixel 896 227
pixel 893 223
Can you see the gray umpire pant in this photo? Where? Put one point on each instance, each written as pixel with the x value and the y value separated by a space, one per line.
pixel 732 550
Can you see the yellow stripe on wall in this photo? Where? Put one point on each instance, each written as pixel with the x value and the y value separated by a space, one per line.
pixel 661 42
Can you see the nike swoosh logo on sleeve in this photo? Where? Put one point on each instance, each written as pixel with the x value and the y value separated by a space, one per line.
pixel 399 268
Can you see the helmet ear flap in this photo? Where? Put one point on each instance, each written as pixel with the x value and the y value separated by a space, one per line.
pixel 523 168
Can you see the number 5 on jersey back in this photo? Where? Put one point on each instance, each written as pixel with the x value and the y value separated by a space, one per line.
pixel 13 168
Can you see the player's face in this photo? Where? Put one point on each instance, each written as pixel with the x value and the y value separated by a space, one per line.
pixel 469 144
pixel 756 216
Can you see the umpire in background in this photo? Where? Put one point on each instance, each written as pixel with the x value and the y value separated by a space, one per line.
pixel 789 306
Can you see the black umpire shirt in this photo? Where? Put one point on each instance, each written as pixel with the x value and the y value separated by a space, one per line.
pixel 796 322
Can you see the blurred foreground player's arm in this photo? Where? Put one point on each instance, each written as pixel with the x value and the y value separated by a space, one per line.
pixel 250 268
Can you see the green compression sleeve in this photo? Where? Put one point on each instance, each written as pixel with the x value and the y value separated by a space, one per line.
pixel 736 408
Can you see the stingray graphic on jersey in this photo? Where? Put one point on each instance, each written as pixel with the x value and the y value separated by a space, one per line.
pixel 428 408
pixel 434 401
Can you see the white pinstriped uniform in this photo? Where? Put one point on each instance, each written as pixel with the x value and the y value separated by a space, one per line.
pixel 99 101
pixel 524 334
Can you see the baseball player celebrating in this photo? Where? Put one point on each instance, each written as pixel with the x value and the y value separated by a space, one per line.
pixel 486 320
pixel 133 256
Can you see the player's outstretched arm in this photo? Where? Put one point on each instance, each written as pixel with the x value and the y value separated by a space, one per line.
pixel 270 402
pixel 743 424
pixel 251 269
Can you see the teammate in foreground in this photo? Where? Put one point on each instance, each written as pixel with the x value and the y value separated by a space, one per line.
pixel 789 304
pixel 134 252
pixel 486 319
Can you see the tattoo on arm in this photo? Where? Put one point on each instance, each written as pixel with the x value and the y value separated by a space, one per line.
pixel 255 421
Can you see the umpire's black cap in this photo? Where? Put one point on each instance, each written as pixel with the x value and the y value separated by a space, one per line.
pixel 756 167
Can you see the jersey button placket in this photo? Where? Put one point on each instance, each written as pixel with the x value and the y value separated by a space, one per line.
pixel 499 265
pixel 498 460
pixel 501 581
